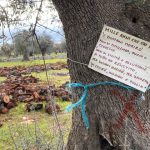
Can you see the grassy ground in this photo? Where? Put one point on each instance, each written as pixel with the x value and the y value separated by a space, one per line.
pixel 35 127
pixel 2 79
pixel 53 77
pixel 18 122
pixel 29 63
pixel 41 75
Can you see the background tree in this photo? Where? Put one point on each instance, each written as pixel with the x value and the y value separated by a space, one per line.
pixel 22 42
pixel 60 47
pixel 63 47
pixel 7 50
pixel 83 21
pixel 26 44
pixel 46 43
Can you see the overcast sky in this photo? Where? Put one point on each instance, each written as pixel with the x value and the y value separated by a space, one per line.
pixel 48 18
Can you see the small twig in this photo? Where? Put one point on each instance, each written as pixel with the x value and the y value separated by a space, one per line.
pixel 52 101
pixel 50 29
pixel 7 21
pixel 36 21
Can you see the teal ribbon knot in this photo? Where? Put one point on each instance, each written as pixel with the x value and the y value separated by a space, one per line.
pixel 82 101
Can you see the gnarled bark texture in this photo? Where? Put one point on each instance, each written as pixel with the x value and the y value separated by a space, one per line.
pixel 83 21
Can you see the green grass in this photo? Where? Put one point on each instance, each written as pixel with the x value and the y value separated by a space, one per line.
pixel 30 63
pixel 2 79
pixel 20 129
pixel 44 121
pixel 57 80
pixel 14 120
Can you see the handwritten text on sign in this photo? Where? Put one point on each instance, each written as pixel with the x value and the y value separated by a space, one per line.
pixel 122 57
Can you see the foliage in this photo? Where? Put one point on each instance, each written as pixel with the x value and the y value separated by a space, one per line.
pixel 22 42
pixel 28 17
pixel 60 47
pixel 7 50
pixel 27 45
pixel 46 44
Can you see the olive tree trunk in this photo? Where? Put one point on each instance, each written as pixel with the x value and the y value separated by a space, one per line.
pixel 83 21
pixel 26 55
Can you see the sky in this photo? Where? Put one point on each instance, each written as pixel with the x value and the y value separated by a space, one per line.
pixel 48 18
pixel 3 2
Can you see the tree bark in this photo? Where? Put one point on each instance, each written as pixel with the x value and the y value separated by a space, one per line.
pixel 83 21
pixel 25 55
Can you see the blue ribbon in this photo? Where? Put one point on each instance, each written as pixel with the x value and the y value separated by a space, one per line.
pixel 82 102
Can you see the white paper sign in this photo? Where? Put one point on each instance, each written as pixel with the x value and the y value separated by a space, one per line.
pixel 122 57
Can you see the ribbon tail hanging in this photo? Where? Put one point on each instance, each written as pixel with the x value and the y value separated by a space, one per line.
pixel 83 108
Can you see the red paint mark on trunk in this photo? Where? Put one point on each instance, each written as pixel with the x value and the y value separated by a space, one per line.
pixel 129 109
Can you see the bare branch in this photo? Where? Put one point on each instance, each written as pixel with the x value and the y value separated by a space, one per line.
pixel 7 21
pixel 40 8
pixel 50 29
